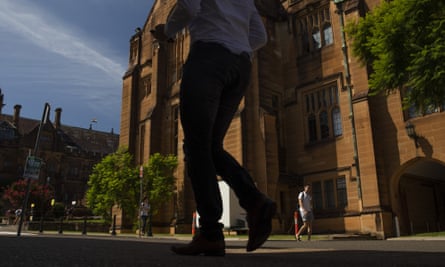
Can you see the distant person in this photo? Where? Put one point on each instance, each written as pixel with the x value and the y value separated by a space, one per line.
pixel 305 208
pixel 224 35
pixel 145 209
pixel 18 213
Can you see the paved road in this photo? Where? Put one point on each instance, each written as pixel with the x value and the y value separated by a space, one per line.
pixel 51 250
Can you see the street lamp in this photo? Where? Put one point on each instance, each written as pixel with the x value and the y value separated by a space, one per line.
pixel 411 132
pixel 339 4
pixel 35 167
pixel 32 212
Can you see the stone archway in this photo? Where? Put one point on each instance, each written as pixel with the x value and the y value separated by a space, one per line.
pixel 418 194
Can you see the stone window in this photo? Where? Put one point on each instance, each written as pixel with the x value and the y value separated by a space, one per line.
pixel 322 113
pixel 329 194
pixel 313 30
pixel 134 50
pixel 342 196
pixel 146 85
pixel 176 57
pixel 317 195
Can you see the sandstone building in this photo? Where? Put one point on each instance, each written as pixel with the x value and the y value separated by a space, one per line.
pixel 305 119
pixel 69 153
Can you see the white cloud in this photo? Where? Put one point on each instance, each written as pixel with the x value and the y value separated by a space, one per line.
pixel 38 28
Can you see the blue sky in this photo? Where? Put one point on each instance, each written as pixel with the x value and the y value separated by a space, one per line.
pixel 69 53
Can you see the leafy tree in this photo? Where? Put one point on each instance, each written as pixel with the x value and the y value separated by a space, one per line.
pixel 114 181
pixel 15 193
pixel 404 44
pixel 158 180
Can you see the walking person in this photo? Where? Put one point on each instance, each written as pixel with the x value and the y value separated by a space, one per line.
pixel 145 208
pixel 18 213
pixel 224 34
pixel 305 208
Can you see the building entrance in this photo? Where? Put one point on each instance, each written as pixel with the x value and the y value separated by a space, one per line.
pixel 421 191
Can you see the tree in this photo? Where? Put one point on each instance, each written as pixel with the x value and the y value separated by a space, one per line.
pixel 114 181
pixel 15 193
pixel 404 44
pixel 158 180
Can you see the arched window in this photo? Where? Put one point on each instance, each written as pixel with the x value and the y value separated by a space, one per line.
pixel 316 38
pixel 327 34
pixel 336 121
pixel 312 126
pixel 324 124
pixel 315 30
pixel 322 113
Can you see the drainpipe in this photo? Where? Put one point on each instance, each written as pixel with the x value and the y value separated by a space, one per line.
pixel 340 12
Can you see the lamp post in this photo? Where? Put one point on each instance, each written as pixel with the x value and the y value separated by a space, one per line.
pixel 411 132
pixel 340 11
pixel 35 163
pixel 42 210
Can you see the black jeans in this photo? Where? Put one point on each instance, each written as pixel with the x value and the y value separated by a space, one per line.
pixel 214 82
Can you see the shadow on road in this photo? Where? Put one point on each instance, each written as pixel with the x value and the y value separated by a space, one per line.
pixel 51 251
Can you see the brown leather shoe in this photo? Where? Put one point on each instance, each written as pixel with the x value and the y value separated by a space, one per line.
pixel 200 245
pixel 260 222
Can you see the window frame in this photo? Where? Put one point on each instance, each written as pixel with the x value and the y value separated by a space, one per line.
pixel 330 194
pixel 313 30
pixel 317 102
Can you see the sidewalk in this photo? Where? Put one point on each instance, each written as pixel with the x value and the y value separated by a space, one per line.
pixel 72 249
pixel 12 230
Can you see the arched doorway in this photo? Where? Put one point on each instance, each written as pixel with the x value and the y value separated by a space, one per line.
pixel 420 197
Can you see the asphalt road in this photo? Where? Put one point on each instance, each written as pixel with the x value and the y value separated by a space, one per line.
pixel 51 250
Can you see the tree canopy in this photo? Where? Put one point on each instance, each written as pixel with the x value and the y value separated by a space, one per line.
pixel 404 44
pixel 159 181
pixel 15 193
pixel 115 181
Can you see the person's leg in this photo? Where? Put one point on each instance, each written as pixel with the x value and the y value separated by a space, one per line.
pixel 237 177
pixel 301 230
pixel 260 208
pixel 144 223
pixel 309 230
pixel 201 88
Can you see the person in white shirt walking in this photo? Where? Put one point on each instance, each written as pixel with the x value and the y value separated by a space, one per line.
pixel 224 35
pixel 305 206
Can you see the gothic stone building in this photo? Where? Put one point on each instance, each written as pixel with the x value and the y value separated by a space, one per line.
pixel 69 153
pixel 307 119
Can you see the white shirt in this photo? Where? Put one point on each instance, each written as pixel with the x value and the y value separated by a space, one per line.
pixel 306 199
pixel 234 24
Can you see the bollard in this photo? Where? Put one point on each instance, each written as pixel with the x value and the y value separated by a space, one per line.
pixel 113 231
pixel 396 222
pixel 61 225
pixel 194 223
pixel 84 231
pixel 296 223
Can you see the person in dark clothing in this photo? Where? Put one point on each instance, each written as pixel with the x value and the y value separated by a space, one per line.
pixel 224 34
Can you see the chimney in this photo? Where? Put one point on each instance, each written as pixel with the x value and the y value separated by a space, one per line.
pixel 58 112
pixel 16 117
pixel 1 101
